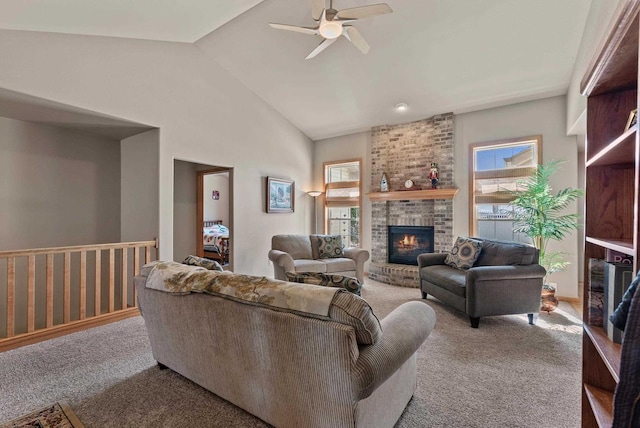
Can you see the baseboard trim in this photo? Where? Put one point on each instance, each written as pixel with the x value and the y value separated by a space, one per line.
pixel 63 329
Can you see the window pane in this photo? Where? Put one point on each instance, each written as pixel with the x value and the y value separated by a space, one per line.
pixel 345 221
pixel 502 157
pixel 343 172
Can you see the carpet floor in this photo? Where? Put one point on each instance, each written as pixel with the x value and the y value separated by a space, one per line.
pixel 504 374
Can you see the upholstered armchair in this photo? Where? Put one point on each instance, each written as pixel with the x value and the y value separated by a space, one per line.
pixel 300 253
pixel 505 279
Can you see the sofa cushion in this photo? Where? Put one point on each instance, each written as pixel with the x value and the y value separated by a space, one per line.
pixel 201 262
pixel 326 246
pixel 298 246
pixel 464 253
pixel 326 280
pixel 503 253
pixel 451 279
pixel 341 264
pixel 304 265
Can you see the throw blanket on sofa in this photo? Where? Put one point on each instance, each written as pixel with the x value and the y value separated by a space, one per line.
pixel 178 278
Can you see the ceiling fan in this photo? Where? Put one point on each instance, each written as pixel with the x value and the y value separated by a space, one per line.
pixel 332 24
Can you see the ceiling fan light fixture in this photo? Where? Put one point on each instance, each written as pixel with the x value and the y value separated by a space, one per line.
pixel 330 30
pixel 402 107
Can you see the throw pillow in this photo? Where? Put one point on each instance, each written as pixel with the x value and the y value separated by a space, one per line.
pixel 464 253
pixel 200 262
pixel 326 280
pixel 329 246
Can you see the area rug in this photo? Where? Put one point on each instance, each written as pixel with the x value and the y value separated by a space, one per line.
pixel 58 415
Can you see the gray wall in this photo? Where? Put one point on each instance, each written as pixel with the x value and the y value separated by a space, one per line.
pixel 59 187
pixel 184 209
pixel 139 186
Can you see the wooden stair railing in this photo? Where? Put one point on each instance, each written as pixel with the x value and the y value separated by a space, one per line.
pixel 19 277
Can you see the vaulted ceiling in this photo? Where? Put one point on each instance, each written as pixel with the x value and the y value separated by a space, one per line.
pixel 435 55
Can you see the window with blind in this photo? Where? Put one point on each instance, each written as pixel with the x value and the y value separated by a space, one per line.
pixel 496 168
pixel 343 200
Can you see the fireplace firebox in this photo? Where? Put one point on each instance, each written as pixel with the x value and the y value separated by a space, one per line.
pixel 406 242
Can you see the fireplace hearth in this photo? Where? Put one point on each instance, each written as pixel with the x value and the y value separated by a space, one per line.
pixel 407 242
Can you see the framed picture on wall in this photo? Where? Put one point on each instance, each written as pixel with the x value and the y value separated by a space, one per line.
pixel 280 195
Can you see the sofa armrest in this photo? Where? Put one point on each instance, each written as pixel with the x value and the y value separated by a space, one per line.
pixel 282 262
pixel 360 256
pixel 403 331
pixel 430 259
pixel 489 273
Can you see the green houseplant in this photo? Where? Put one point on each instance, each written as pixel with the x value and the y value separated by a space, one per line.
pixel 538 213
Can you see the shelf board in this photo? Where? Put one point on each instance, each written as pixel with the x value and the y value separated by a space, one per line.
pixel 411 195
pixel 619 151
pixel 608 350
pixel 624 246
pixel 601 402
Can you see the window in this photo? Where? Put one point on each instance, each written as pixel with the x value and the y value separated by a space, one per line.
pixel 342 200
pixel 496 169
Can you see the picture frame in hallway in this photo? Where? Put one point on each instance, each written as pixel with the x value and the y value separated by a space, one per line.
pixel 280 195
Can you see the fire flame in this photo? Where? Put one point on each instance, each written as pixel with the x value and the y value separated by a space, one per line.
pixel 409 241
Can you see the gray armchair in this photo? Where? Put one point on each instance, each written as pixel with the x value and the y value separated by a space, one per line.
pixel 506 279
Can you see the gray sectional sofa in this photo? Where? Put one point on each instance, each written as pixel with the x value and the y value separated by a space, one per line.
pixel 505 279
pixel 249 340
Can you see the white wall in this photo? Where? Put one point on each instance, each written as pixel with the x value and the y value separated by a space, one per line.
pixel 546 117
pixel 204 115
pixel 353 146
pixel 58 187
pixel 139 182
pixel 216 209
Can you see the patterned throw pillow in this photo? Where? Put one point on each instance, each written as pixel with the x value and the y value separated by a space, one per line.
pixel 329 246
pixel 200 262
pixel 326 280
pixel 464 253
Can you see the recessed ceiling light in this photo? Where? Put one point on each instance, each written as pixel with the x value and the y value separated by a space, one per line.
pixel 401 107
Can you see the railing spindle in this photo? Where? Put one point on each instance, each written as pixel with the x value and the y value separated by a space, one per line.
pixel 147 254
pixel 125 255
pixel 31 294
pixel 49 290
pixel 11 292
pixel 98 285
pixel 112 279
pixel 66 299
pixel 136 271
pixel 83 285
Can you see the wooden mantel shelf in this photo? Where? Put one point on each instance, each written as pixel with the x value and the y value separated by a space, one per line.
pixel 411 195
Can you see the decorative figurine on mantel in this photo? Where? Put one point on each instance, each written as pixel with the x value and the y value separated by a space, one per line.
pixel 384 183
pixel 434 176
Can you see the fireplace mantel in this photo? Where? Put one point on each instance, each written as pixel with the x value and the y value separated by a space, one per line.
pixel 412 195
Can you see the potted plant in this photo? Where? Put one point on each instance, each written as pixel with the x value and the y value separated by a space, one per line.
pixel 538 213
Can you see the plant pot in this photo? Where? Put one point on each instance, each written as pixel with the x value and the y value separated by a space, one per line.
pixel 548 300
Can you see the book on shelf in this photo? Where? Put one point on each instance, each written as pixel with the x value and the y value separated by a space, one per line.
pixel 617 278
pixel 596 291
pixel 614 256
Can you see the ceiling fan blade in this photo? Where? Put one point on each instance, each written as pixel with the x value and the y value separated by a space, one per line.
pixel 364 11
pixel 304 30
pixel 322 46
pixel 317 6
pixel 356 38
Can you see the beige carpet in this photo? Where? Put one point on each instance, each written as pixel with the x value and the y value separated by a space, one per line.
pixel 504 374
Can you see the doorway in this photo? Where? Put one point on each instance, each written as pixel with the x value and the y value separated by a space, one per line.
pixel 214 215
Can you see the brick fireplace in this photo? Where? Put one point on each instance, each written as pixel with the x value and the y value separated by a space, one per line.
pixel 405 152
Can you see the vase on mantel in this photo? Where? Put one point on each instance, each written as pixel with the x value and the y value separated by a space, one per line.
pixel 384 183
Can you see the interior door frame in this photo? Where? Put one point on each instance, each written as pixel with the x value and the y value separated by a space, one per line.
pixel 200 209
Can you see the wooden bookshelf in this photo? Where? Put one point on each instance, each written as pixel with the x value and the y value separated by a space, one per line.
pixel 612 201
